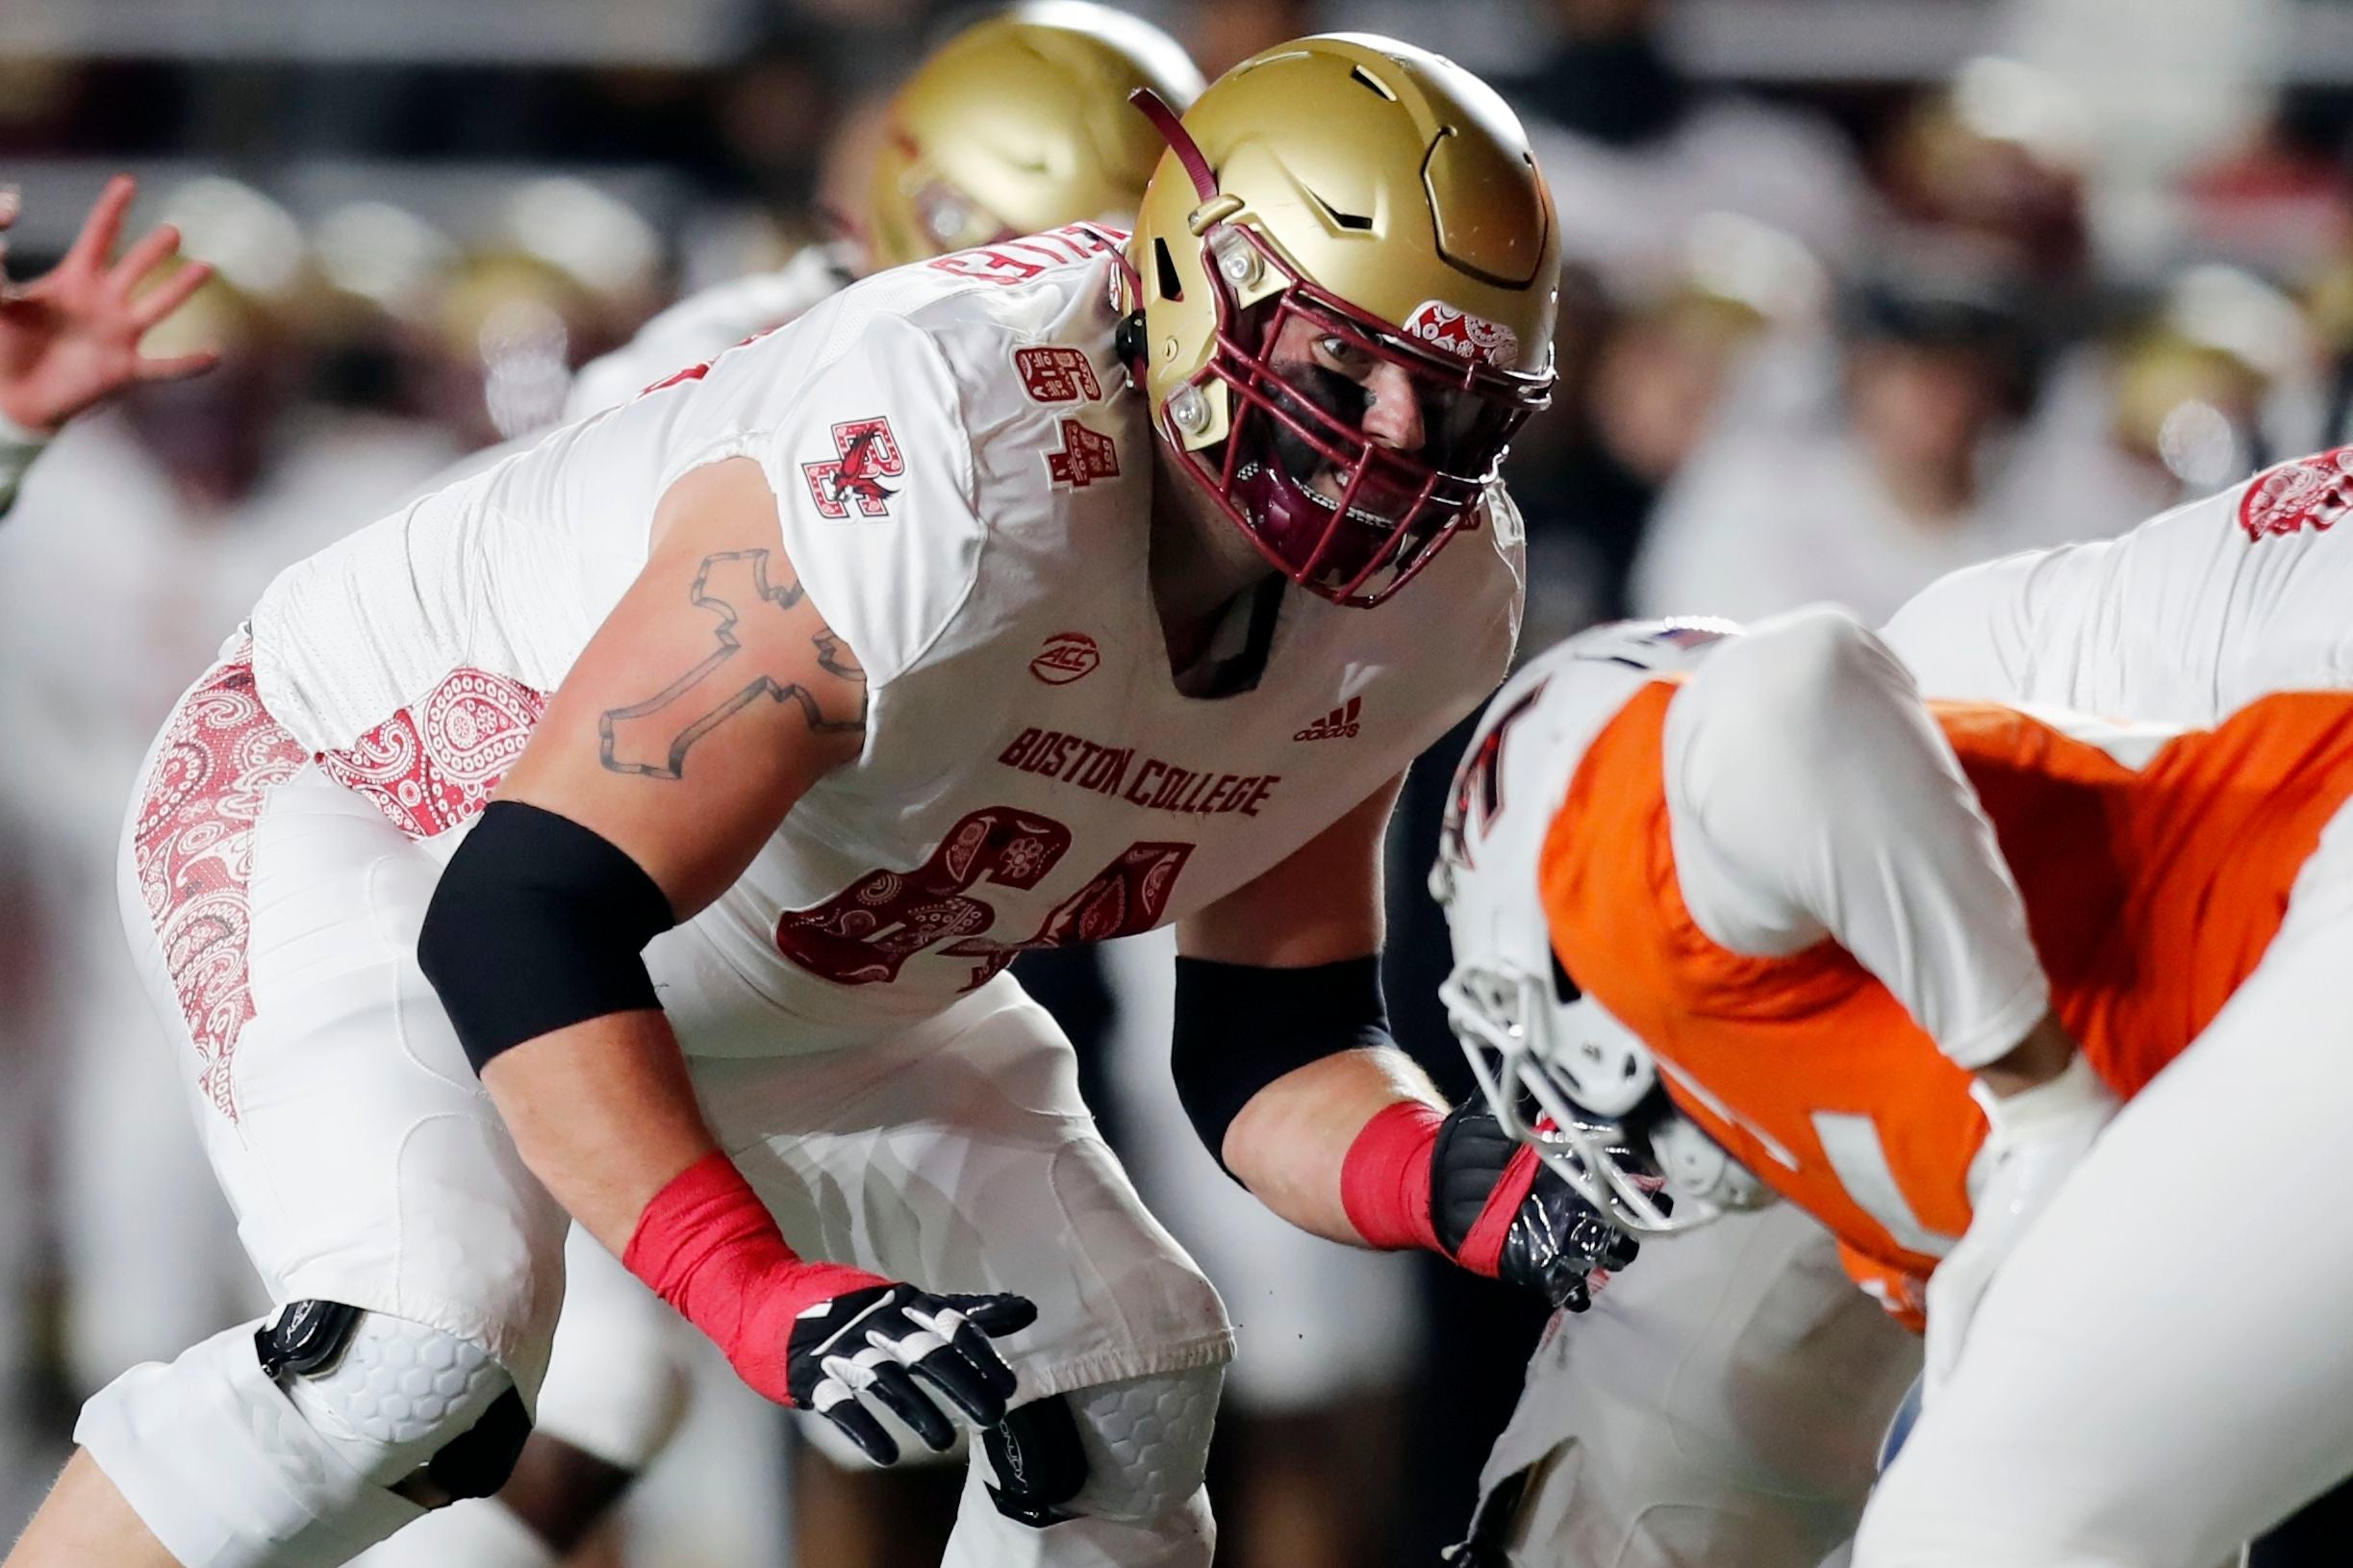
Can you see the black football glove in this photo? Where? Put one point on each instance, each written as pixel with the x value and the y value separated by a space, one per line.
pixel 876 1341
pixel 1499 1212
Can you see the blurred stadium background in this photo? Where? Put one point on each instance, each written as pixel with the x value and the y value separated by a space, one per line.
pixel 1861 290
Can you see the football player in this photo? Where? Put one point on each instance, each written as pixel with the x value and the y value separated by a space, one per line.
pixel 1724 1402
pixel 639 829
pixel 70 339
pixel 1861 938
pixel 1017 123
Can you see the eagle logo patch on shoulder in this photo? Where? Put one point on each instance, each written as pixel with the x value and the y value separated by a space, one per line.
pixel 866 453
pixel 2313 493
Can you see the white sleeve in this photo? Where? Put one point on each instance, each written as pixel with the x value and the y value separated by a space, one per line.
pixel 871 468
pixel 1809 796
pixel 1967 634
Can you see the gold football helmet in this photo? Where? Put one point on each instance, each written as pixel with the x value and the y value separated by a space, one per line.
pixel 1020 123
pixel 1381 202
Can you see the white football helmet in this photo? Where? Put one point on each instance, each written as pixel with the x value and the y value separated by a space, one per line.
pixel 1561 1073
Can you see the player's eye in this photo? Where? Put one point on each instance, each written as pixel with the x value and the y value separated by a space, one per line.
pixel 1348 357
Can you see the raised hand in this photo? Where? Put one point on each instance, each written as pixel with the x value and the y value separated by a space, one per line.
pixel 69 339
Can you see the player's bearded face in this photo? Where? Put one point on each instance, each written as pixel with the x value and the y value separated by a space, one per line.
pixel 1354 455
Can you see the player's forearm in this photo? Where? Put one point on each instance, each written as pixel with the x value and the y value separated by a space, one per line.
pixel 1813 796
pixel 1291 1141
pixel 604 1115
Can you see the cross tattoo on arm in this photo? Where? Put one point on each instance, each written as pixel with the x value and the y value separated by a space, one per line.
pixel 652 737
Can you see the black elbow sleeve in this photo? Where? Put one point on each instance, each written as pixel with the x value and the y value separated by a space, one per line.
pixel 538 924
pixel 1240 1026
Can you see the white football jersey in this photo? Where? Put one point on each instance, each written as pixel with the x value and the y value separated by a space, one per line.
pixel 2188 617
pixel 964 478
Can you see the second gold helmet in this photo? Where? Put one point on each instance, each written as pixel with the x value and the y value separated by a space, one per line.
pixel 1020 123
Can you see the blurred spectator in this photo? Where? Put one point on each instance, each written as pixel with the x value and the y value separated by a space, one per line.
pixel 2280 203
pixel 1636 151
pixel 1735 318
pixel 1992 164
pixel 2217 379
pixel 1907 478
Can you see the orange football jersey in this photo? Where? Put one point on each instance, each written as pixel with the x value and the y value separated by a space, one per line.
pixel 2151 891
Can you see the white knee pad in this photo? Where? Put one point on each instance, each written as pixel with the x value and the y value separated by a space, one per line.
pixel 231 1468
pixel 1147 1442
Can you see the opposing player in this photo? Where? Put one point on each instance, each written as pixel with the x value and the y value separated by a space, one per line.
pixel 1794 885
pixel 70 339
pixel 1726 1401
pixel 979 609
pixel 1017 123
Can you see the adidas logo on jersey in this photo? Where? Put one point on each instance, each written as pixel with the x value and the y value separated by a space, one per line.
pixel 1339 724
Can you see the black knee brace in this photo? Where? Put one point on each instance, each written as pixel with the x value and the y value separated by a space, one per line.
pixel 1039 1466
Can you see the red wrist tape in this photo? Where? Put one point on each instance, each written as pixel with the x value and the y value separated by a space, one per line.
pixel 1385 1181
pixel 708 1246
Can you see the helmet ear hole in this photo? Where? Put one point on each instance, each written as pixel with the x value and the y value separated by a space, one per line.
pixel 1164 272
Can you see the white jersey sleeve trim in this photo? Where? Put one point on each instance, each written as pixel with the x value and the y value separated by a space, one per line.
pixel 1809 796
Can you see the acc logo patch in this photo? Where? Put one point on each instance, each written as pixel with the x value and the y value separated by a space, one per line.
pixel 1086 456
pixel 1463 335
pixel 867 454
pixel 2315 493
pixel 1065 657
pixel 1058 375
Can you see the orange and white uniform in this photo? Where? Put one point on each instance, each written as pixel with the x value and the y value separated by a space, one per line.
pixel 1723 1400
pixel 1822 903
pixel 2153 873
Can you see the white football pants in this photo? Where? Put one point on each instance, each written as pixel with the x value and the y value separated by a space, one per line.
pixel 1719 1407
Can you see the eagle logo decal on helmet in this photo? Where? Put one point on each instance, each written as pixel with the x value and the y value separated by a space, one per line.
pixel 1464 335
